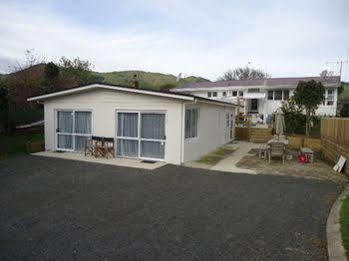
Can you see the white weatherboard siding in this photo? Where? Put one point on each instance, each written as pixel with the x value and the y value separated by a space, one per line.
pixel 104 103
pixel 212 131
pixel 265 106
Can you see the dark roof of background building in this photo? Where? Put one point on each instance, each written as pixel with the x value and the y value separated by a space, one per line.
pixel 263 82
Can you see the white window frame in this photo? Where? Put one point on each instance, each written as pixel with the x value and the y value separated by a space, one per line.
pixel 329 97
pixel 209 94
pixel 73 134
pixel 197 123
pixel 214 94
pixel 139 138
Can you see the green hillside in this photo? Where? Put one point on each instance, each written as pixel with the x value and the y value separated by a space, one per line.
pixel 147 80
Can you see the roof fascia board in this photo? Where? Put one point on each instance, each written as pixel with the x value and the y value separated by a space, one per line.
pixel 93 86
pixel 225 104
pixel 197 89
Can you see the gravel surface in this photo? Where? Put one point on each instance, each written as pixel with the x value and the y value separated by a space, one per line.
pixel 68 210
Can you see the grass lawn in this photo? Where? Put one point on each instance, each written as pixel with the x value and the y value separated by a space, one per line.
pixel 214 157
pixel 344 221
pixel 13 145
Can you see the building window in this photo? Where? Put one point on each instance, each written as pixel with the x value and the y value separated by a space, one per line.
pixel 235 93
pixel 214 94
pixel 270 95
pixel 209 94
pixel 224 94
pixel 330 97
pixel 286 94
pixel 241 93
pixel 227 121
pixel 253 90
pixel 191 123
pixel 278 95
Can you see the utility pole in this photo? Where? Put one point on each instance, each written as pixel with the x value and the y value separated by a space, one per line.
pixel 340 63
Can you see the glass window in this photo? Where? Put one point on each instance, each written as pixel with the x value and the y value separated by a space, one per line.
pixel 270 95
pixel 330 97
pixel 278 95
pixel 253 90
pixel 191 123
pixel 214 94
pixel 128 124
pixel 235 93
pixel 241 93
pixel 286 94
pixel 209 94
pixel 224 94
pixel 227 121
pixel 83 122
pixel 153 126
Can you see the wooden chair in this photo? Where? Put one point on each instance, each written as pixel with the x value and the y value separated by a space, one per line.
pixel 89 148
pixel 277 149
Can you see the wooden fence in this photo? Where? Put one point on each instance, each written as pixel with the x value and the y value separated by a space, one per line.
pixel 335 139
pixel 242 133
pixel 258 135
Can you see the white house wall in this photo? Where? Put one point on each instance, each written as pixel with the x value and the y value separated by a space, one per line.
pixel 212 130
pixel 265 106
pixel 104 104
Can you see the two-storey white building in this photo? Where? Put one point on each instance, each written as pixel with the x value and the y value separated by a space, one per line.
pixel 263 97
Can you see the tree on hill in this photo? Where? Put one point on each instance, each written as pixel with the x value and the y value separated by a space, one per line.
pixel 243 73
pixel 4 104
pixel 51 78
pixel 308 96
pixel 77 72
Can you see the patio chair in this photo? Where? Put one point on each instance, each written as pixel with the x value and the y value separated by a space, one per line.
pixel 277 149
pixel 89 149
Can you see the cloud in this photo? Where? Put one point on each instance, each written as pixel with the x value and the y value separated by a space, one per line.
pixel 200 38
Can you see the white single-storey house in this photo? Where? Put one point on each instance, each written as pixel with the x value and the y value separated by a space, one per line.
pixel 145 124
pixel 263 97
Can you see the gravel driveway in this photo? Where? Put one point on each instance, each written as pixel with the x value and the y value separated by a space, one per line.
pixel 69 210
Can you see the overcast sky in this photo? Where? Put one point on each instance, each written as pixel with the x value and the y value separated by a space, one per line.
pixel 202 38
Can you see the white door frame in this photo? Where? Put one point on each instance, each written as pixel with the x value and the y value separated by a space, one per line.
pixel 139 138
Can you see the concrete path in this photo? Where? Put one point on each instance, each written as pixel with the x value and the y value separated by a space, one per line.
pixel 121 162
pixel 229 164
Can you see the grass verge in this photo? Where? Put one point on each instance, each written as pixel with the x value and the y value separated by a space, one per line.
pixel 214 157
pixel 14 145
pixel 344 221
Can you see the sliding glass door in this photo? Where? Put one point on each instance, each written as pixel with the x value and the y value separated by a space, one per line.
pixel 127 142
pixel 141 135
pixel 152 135
pixel 73 129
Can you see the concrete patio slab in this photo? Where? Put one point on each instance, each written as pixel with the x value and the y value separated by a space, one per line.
pixel 122 162
pixel 229 164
